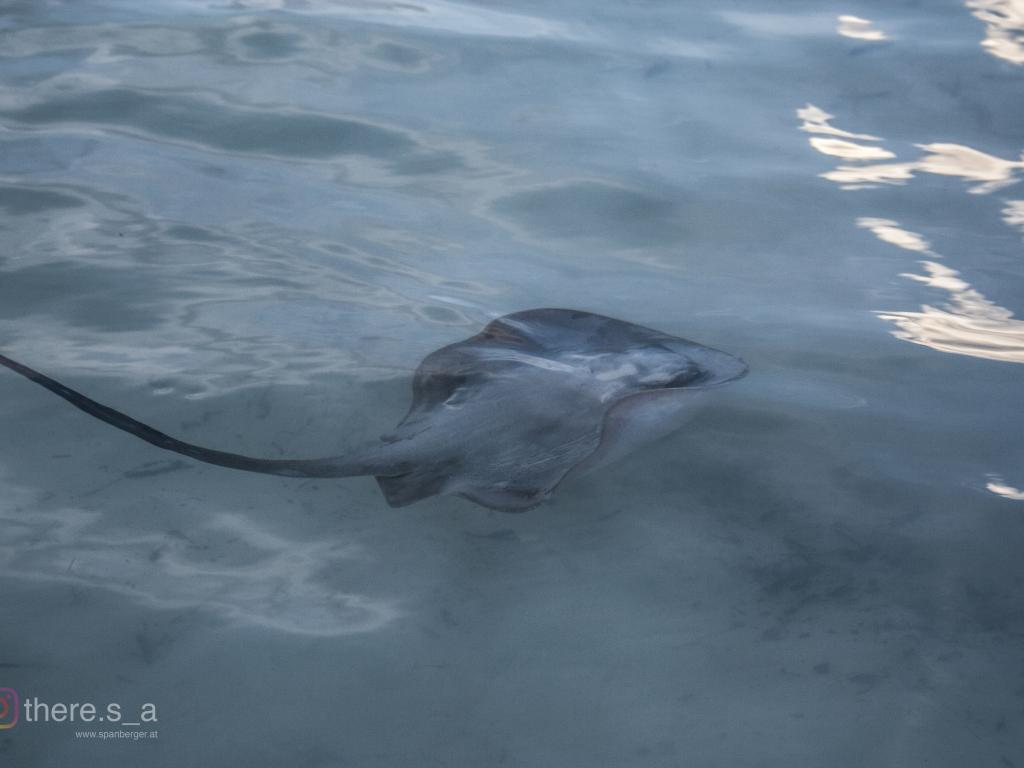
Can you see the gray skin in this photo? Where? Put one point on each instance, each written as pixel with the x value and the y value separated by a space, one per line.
pixel 504 417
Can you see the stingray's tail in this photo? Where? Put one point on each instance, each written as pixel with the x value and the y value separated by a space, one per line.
pixel 334 466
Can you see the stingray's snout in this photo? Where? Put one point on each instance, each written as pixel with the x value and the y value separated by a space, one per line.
pixel 720 367
pixel 733 367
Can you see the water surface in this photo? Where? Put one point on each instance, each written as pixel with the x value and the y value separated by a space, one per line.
pixel 246 222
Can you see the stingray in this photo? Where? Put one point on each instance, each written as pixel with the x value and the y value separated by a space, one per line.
pixel 506 416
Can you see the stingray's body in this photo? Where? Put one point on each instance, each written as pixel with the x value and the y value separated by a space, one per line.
pixel 505 416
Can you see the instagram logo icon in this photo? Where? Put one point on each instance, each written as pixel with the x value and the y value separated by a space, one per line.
pixel 8 708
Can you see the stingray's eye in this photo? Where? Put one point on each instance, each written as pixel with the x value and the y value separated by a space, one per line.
pixel 457 397
pixel 449 386
pixel 501 333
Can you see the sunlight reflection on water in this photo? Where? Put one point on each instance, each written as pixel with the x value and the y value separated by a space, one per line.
pixel 999 487
pixel 1004 27
pixel 970 324
pixel 859 29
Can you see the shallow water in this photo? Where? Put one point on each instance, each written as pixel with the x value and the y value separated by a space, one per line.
pixel 246 222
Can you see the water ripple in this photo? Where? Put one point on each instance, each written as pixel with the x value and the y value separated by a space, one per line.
pixel 275 133
pixel 229 567
pixel 462 18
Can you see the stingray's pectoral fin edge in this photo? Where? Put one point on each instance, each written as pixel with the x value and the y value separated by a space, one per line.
pixel 416 485
pixel 410 487
pixel 506 500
